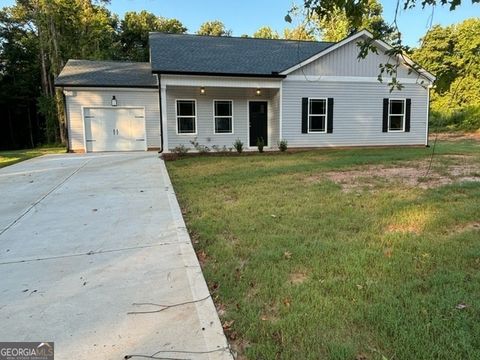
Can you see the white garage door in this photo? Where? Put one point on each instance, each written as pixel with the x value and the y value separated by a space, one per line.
pixel 115 129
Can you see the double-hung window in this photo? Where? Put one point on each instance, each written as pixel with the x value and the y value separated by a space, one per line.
pixel 317 115
pixel 396 115
pixel 186 117
pixel 223 116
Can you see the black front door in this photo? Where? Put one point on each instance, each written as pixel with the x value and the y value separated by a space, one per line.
pixel 258 122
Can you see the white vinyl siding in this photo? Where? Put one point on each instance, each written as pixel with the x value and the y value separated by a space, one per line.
pixel 357 115
pixel 205 115
pixel 84 98
pixel 344 61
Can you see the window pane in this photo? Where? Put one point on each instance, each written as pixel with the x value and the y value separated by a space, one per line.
pixel 317 123
pixel 396 122
pixel 223 108
pixel 223 125
pixel 396 106
pixel 186 125
pixel 318 107
pixel 185 108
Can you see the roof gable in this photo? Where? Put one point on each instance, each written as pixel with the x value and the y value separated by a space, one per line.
pixel 194 54
pixel 406 62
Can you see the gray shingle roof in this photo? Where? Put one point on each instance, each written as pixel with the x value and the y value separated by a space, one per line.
pixel 177 53
pixel 106 73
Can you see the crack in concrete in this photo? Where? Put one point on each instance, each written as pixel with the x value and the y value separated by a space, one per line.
pixel 91 252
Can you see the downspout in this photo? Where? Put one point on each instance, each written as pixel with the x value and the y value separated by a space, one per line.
pixel 67 122
pixel 428 116
pixel 160 109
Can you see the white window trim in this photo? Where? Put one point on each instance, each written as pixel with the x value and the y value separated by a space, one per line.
pixel 214 117
pixel 188 116
pixel 403 115
pixel 308 117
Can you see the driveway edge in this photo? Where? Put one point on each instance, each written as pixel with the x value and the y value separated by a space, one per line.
pixel 212 328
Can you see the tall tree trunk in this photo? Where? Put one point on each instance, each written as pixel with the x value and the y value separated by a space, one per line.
pixel 59 103
pixel 43 59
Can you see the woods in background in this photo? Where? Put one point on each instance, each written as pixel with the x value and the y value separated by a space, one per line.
pixel 37 37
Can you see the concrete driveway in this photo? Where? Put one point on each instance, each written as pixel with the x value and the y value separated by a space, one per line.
pixel 90 247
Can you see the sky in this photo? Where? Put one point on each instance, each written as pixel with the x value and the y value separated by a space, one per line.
pixel 246 16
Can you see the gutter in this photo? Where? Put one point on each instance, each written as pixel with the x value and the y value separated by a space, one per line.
pixel 273 75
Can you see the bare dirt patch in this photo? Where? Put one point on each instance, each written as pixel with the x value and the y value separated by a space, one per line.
pixel 297 278
pixel 445 170
pixel 468 227
pixel 455 136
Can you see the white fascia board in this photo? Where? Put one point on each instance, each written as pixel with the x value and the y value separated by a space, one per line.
pixel 220 81
pixel 361 79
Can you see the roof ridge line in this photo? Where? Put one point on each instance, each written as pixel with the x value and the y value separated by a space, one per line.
pixel 241 37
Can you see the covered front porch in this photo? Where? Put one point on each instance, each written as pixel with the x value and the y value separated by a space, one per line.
pixel 217 112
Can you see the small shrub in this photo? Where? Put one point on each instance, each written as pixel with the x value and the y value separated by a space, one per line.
pixel 283 145
pixel 180 150
pixel 238 145
pixel 202 149
pixel 260 144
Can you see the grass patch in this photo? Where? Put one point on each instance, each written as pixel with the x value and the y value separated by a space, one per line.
pixel 306 270
pixel 11 157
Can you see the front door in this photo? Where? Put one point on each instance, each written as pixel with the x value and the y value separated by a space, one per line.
pixel 258 122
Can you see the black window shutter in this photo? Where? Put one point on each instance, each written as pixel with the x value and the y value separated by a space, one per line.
pixel 385 115
pixel 408 109
pixel 304 115
pixel 330 116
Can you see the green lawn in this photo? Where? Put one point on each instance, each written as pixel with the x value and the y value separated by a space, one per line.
pixel 11 157
pixel 367 267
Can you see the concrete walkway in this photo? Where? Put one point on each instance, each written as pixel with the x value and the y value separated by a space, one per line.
pixel 88 245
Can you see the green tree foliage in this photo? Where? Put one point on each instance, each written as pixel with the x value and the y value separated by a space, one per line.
pixel 266 32
pixel 300 32
pixel 214 28
pixel 134 30
pixel 39 36
pixel 452 53
pixel 356 11
pixel 336 25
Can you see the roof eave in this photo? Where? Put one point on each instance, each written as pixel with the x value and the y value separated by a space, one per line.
pixel 106 86
pixel 203 73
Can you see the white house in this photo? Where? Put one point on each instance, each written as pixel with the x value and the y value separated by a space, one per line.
pixel 219 89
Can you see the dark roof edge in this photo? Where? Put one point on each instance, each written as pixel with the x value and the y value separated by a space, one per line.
pixel 108 86
pixel 273 76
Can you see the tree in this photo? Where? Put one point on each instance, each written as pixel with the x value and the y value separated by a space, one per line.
pixel 452 53
pixel 62 29
pixel 19 80
pixel 213 28
pixel 134 30
pixel 301 32
pixel 266 32
pixel 337 26
pixel 355 11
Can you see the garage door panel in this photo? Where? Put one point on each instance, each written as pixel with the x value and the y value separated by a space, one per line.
pixel 115 129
